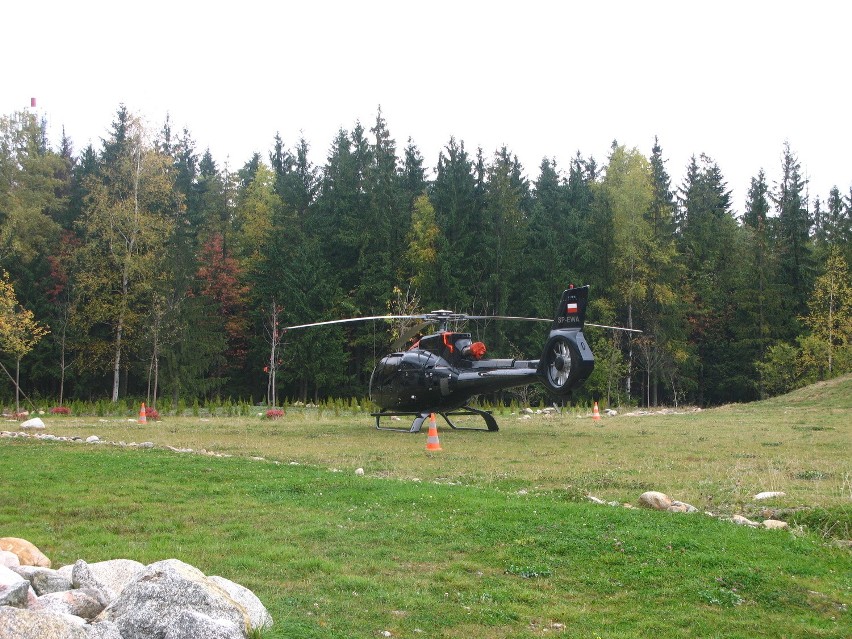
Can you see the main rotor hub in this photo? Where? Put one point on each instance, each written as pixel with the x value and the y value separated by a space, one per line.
pixel 444 317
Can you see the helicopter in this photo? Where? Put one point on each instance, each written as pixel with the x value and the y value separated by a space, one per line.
pixel 441 372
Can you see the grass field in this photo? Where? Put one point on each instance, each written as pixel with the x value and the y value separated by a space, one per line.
pixel 491 537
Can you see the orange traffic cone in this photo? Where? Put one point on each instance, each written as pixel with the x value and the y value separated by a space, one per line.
pixel 143 417
pixel 432 442
pixel 595 413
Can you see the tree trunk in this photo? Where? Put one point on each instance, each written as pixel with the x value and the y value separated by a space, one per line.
pixel 629 349
pixel 116 365
pixel 17 385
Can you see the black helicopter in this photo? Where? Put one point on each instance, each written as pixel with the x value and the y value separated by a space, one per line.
pixel 442 371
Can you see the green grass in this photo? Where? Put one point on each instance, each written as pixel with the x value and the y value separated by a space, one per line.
pixel 492 537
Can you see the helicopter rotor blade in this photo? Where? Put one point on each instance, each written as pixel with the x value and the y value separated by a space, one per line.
pixel 507 317
pixel 437 316
pixel 615 328
pixel 408 334
pixel 541 319
pixel 355 319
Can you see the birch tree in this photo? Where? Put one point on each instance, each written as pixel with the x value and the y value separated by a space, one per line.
pixel 125 222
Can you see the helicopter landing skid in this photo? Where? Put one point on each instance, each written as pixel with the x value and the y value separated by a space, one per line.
pixel 419 418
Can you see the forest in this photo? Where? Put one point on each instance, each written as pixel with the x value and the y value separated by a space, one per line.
pixel 143 268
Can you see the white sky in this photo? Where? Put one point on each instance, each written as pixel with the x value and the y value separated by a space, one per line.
pixel 733 80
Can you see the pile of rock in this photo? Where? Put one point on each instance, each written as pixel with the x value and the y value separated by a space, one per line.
pixel 119 599
pixel 656 500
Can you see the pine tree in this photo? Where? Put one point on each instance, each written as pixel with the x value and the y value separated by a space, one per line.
pixel 709 245
pixel 757 293
pixel 796 266
pixel 456 197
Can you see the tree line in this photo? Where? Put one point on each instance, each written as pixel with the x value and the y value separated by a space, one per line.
pixel 142 268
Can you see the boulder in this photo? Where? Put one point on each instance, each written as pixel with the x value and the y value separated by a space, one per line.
pixel 775 524
pixel 26 624
pixel 655 500
pixel 103 630
pixel 27 553
pixel 82 578
pixel 83 603
pixel 14 589
pixel 9 559
pixel 35 423
pixel 111 577
pixel 257 613
pixel 46 581
pixel 199 626
pixel 156 602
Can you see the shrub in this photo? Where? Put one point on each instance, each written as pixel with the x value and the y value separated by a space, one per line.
pixel 60 410
pixel 152 414
pixel 274 413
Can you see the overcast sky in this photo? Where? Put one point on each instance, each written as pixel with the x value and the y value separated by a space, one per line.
pixel 733 80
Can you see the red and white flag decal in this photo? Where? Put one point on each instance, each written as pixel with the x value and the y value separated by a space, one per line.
pixel 571 308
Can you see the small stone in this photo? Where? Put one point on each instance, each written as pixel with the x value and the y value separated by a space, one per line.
pixel 655 500
pixel 768 495
pixel 744 521
pixel 775 524
pixel 359 472
pixel 92 439
pixel 682 507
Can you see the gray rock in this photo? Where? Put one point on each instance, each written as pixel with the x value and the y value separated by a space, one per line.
pixel 66 571
pixel 84 603
pixel 199 626
pixel 153 604
pixel 257 613
pixel 92 439
pixel 82 578
pixel 13 588
pixel 46 581
pixel 27 624
pixel 744 521
pixel 681 507
pixel 655 500
pixel 103 630
pixel 114 575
